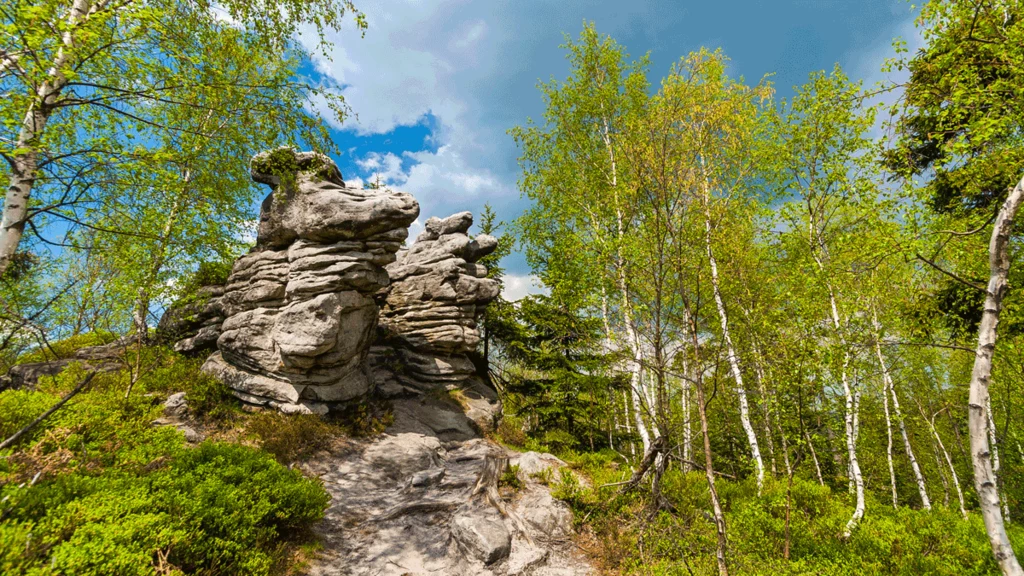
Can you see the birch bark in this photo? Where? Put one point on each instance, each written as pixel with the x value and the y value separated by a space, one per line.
pixel 734 365
pixel 984 477
pixel 922 489
pixel 25 159
pixel 995 457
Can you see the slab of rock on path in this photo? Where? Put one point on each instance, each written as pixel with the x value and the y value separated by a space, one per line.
pixel 403 505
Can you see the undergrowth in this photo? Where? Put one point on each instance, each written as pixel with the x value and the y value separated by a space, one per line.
pixel 96 489
pixel 624 537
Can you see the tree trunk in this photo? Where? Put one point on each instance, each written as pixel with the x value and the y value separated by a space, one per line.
pixel 851 444
pixel 766 410
pixel 888 435
pixel 814 456
pixel 922 489
pixel 888 382
pixel 734 364
pixel 25 159
pixel 709 468
pixel 853 466
pixel 995 458
pixel 636 363
pixel 949 462
pixel 709 472
pixel 984 478
pixel 687 428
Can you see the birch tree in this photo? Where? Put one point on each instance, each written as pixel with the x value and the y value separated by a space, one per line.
pixel 719 123
pixel 960 126
pixel 572 171
pixel 829 167
pixel 86 82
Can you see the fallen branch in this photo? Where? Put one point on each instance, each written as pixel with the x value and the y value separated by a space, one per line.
pixel 657 447
pixel 10 441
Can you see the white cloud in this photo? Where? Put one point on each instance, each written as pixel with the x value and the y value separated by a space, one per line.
pixel 516 287
pixel 442 181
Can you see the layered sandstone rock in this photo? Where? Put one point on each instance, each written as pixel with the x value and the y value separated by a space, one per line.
pixel 299 313
pixel 192 326
pixel 429 319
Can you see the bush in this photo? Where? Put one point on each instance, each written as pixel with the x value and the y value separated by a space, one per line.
pixel 887 541
pixel 291 437
pixel 118 496
pixel 216 509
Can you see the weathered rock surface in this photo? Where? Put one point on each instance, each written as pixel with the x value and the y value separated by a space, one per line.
pixel 176 413
pixel 299 313
pixel 192 326
pixel 403 504
pixel 429 322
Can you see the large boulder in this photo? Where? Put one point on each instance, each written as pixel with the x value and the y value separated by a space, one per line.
pixel 299 316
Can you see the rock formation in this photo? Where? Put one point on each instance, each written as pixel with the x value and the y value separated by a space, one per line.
pixel 299 309
pixel 101 358
pixel 326 306
pixel 404 504
pixel 428 321
pixel 192 326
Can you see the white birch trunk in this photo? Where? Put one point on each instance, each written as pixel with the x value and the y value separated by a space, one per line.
pixel 636 363
pixel 734 365
pixel 765 407
pixel 952 469
pixel 851 431
pixel 984 478
pixel 888 435
pixel 25 161
pixel 918 476
pixel 814 456
pixel 922 489
pixel 995 457
pixel 857 480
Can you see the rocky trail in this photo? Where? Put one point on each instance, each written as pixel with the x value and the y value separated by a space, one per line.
pixel 404 504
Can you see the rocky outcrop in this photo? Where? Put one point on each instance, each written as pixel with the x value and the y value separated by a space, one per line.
pixel 428 321
pixel 299 312
pixel 406 503
pixel 192 326
pixel 102 358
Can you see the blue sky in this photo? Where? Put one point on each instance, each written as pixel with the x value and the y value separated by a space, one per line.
pixel 437 83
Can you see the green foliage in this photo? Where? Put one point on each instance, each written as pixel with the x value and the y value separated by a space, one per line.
pixel 903 541
pixel 216 509
pixel 96 489
pixel 291 437
pixel 211 272
pixel 510 478
pixel 559 384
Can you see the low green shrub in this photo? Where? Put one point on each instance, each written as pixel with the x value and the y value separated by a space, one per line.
pixel 683 540
pixel 216 509
pixel 291 437
pixel 510 478
pixel 96 489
